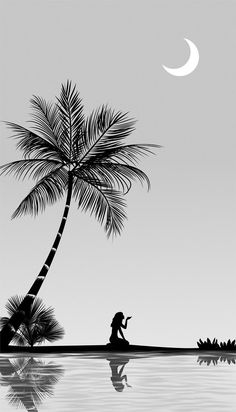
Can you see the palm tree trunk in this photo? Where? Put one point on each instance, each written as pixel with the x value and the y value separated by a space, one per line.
pixel 9 330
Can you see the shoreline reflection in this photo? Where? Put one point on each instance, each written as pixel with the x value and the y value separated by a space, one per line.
pixel 215 359
pixel 29 380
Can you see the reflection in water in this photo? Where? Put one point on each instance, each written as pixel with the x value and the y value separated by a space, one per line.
pixel 214 359
pixel 117 367
pixel 29 380
pixel 99 382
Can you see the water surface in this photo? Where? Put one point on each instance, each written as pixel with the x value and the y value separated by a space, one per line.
pixel 118 383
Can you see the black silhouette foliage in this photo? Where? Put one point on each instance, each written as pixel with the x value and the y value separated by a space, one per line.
pixel 208 344
pixel 92 149
pixel 228 345
pixel 39 325
pixel 84 158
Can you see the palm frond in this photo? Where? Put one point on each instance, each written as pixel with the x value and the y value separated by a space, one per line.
pixel 114 175
pixel 20 338
pixel 13 304
pixel 126 153
pixel 105 203
pixel 128 172
pixel 71 114
pixel 39 313
pixel 35 145
pixel 35 334
pixel 3 321
pixel 105 130
pixel 46 192
pixel 51 331
pixel 46 119
pixel 98 175
pixel 34 168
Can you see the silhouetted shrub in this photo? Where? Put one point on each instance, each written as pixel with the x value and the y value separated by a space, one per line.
pixel 210 345
pixel 228 345
pixel 207 344
pixel 39 323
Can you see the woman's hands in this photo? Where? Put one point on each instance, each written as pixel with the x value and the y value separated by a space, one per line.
pixel 126 322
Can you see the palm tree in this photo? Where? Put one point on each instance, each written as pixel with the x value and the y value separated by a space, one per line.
pixel 84 158
pixel 39 323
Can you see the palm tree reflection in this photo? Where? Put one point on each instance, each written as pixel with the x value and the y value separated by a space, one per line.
pixel 214 359
pixel 30 380
pixel 117 367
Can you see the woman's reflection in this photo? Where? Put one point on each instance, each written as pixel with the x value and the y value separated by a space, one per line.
pixel 117 367
pixel 30 380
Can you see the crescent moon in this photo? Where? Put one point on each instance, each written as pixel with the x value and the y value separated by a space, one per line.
pixel 190 65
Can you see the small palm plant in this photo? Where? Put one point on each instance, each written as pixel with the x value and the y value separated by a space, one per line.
pixel 84 158
pixel 39 324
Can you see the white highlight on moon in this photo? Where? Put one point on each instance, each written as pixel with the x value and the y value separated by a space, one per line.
pixel 190 65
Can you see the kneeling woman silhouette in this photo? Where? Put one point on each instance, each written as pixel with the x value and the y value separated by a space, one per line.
pixel 117 326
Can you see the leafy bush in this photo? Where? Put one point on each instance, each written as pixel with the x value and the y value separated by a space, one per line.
pixel 39 323
pixel 228 345
pixel 208 345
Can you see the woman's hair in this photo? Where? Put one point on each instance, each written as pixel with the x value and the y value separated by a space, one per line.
pixel 116 321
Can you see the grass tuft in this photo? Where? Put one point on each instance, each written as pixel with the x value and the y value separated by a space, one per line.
pixel 211 345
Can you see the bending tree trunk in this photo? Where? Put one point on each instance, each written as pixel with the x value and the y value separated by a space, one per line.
pixel 9 330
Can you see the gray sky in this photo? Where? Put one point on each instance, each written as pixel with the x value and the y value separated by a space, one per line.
pixel 173 268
